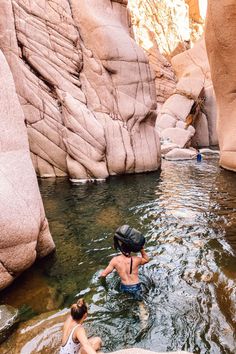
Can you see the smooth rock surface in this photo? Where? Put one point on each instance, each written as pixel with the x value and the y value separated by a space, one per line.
pixel 86 88
pixel 180 154
pixel 178 106
pixel 193 104
pixel 25 233
pixel 221 49
pixel 201 137
pixel 177 136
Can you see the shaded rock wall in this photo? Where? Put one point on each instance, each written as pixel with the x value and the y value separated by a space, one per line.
pixel 86 88
pixel 24 229
pixel 221 48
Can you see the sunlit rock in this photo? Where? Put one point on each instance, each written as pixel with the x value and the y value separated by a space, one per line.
pixel 39 335
pixel 174 23
pixel 180 154
pixel 8 320
pixel 164 29
pixel 193 105
pixel 177 136
pixel 165 148
pixel 194 76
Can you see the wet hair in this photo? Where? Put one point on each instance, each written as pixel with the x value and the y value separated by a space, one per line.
pixel 79 309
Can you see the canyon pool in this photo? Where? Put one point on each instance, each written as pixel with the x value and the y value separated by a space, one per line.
pixel 188 213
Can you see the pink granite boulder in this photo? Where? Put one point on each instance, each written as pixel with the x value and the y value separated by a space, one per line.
pixel 86 88
pixel 25 233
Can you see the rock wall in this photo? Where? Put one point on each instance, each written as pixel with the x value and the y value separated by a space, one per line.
pixel 188 117
pixel 24 229
pixel 221 48
pixel 164 29
pixel 86 88
pixel 174 23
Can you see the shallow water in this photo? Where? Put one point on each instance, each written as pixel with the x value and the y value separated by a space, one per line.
pixel 188 214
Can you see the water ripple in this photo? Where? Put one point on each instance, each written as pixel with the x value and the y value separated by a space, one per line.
pixel 188 214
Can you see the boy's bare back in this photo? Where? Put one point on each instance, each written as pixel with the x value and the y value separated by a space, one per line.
pixel 122 264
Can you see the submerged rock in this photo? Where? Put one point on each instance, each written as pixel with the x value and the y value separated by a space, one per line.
pixel 32 294
pixel 39 335
pixel 43 335
pixel 8 320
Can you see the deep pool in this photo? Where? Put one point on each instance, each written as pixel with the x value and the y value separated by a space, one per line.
pixel 188 214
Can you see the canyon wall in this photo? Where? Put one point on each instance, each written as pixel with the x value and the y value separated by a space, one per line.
pixel 24 233
pixel 86 88
pixel 221 47
pixel 170 33
pixel 164 29
pixel 188 116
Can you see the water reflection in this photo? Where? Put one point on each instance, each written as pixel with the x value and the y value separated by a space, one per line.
pixel 188 214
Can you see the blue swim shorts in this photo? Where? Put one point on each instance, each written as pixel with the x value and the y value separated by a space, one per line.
pixel 135 290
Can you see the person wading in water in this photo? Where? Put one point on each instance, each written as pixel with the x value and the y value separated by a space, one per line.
pixel 128 239
pixel 74 338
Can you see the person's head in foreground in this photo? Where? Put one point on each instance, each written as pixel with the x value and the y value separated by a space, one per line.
pixel 74 337
pixel 79 311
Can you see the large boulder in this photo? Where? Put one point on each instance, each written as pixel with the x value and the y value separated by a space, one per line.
pixel 193 104
pixel 86 88
pixel 221 48
pixel 24 233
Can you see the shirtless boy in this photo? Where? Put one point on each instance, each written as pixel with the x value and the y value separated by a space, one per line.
pixel 127 268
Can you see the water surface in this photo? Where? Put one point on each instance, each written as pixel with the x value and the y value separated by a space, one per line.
pixel 188 214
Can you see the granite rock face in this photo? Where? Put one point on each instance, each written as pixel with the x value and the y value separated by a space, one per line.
pixel 24 233
pixel 188 117
pixel 221 41
pixel 86 88
pixel 173 23
pixel 164 29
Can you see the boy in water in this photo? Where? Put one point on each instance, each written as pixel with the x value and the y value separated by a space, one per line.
pixel 127 266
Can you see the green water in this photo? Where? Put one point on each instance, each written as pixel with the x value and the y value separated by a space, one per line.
pixel 188 214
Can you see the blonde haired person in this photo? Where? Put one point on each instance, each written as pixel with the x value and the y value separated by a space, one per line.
pixel 74 337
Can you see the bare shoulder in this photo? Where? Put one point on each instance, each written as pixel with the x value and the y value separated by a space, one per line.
pixel 137 259
pixel 80 331
pixel 67 323
pixel 115 260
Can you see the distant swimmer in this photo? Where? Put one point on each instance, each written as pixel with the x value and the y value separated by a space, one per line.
pixel 74 337
pixel 127 240
pixel 199 156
